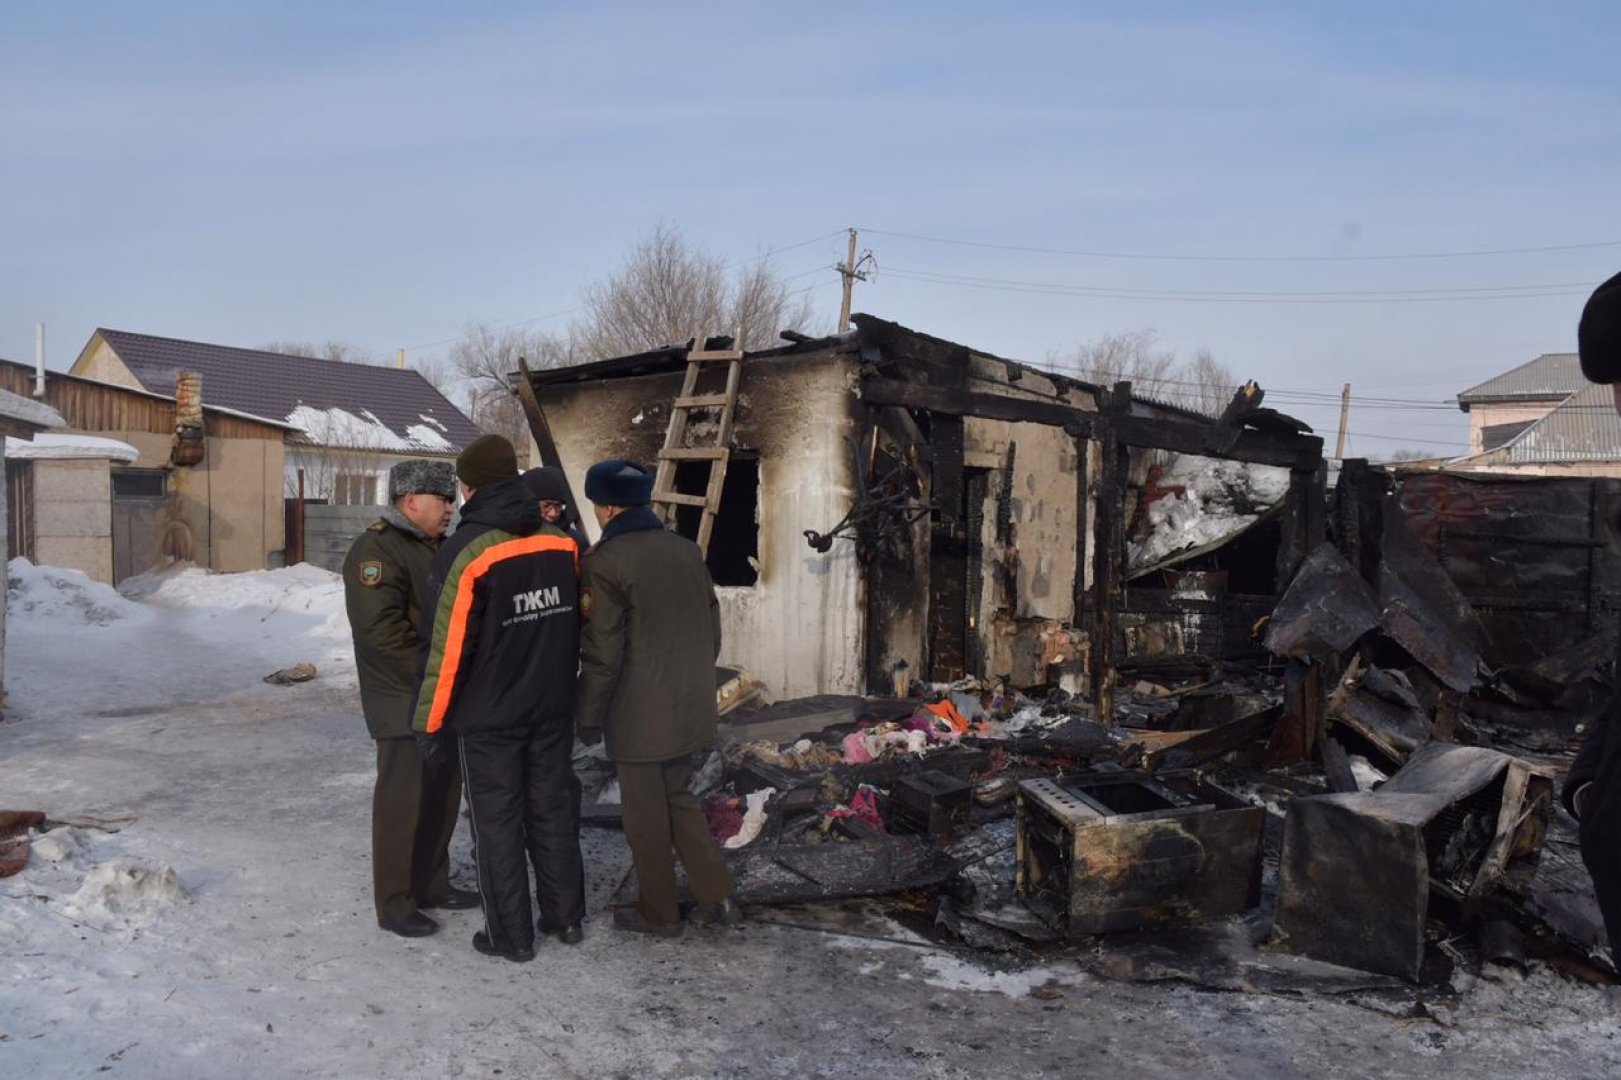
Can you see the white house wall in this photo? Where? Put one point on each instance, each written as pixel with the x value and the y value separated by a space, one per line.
pixel 798 629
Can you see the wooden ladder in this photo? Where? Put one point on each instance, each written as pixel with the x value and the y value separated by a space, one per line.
pixel 676 450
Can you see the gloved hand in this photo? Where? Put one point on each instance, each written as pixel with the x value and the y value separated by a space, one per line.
pixel 432 749
pixel 589 736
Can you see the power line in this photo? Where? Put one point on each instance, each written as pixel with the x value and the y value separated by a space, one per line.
pixel 1147 257
pixel 1506 292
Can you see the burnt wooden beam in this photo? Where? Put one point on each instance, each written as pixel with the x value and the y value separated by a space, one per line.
pixel 1078 586
pixel 542 433
pixel 1178 436
pixel 1212 744
pixel 1260 448
pixel 1109 553
pixel 949 401
pixel 1337 767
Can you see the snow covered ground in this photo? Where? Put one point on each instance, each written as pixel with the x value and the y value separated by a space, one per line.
pixel 227 930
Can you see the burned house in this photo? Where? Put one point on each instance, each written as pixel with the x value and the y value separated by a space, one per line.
pixel 1098 663
pixel 897 508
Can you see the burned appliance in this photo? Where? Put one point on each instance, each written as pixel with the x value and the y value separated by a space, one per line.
pixel 1358 868
pixel 929 802
pixel 1123 850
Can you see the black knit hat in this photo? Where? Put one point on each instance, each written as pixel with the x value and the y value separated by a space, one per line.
pixel 1598 336
pixel 420 476
pixel 617 482
pixel 547 484
pixel 487 459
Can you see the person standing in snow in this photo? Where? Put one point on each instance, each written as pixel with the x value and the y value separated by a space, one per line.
pixel 648 645
pixel 413 809
pixel 502 622
pixel 1592 791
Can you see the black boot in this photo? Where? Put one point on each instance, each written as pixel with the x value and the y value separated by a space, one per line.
pixel 415 924
pixel 481 942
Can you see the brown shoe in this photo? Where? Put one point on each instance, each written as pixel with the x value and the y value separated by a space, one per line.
pixel 631 919
pixel 415 924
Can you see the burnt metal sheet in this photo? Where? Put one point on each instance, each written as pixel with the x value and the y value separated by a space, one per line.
pixel 1122 851
pixel 1424 612
pixel 838 869
pixel 1326 608
pixel 1357 869
pixel 1374 705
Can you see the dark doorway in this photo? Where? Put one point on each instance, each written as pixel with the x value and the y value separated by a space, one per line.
pixel 20 506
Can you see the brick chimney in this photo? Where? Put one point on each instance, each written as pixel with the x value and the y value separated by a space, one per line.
pixel 188 419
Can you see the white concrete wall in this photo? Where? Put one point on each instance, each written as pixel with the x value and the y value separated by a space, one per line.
pixel 799 627
pixel 1482 417
pixel 73 520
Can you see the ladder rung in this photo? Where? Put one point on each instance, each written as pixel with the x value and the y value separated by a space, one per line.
pixel 679 499
pixel 703 401
pixel 714 356
pixel 693 453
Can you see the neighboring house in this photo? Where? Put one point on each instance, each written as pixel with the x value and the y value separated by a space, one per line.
pixel 20 418
pixel 1502 407
pixel 204 485
pixel 1540 419
pixel 899 507
pixel 352 421
pixel 1581 436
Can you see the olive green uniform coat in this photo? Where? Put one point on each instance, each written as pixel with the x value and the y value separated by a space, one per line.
pixel 648 644
pixel 413 810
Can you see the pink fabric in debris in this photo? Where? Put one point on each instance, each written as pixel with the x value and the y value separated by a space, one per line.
pixel 725 815
pixel 865 805
pixel 855 748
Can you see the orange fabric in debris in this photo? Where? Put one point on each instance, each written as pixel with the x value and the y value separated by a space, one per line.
pixel 946 711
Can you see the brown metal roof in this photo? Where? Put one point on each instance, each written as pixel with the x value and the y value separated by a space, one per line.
pixel 275 385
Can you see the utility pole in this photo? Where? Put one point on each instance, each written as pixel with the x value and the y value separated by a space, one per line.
pixel 1345 418
pixel 851 271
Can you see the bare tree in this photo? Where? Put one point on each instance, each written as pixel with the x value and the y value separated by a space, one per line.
pixel 667 291
pixel 1202 383
pixel 341 351
pixel 486 359
pixel 1209 384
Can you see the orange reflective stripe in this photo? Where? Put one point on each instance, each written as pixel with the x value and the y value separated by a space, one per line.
pixel 451 661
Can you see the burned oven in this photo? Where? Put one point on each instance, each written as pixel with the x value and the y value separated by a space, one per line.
pixel 1122 850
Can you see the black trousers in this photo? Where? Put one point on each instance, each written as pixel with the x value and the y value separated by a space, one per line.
pixel 524 799
pixel 413 814
pixel 1600 833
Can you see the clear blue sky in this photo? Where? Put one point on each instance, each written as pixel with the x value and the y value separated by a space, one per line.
pixel 384 174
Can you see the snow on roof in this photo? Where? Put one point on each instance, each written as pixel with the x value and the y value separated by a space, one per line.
pixel 29 411
pixel 364 431
pixel 48 447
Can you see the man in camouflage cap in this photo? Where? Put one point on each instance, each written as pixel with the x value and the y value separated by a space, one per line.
pixel 413 807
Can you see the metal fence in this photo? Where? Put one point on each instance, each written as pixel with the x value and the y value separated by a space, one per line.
pixel 329 530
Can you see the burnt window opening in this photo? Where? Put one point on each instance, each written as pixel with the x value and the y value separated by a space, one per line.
pixel 140 484
pixel 734 539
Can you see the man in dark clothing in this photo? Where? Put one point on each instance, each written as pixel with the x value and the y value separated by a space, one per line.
pixel 502 611
pixel 551 491
pixel 648 646
pixel 1593 789
pixel 413 809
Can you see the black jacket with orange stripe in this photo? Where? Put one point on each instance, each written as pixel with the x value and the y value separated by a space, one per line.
pixel 500 619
